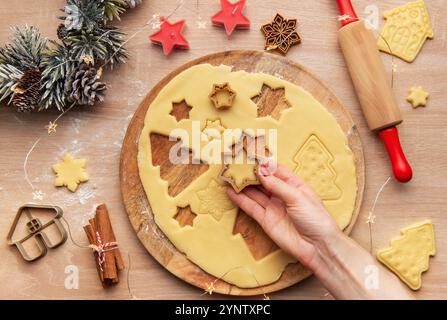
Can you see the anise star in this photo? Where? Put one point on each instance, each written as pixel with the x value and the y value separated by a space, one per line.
pixel 280 34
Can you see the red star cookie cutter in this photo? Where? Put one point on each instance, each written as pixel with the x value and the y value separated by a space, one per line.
pixel 170 36
pixel 231 16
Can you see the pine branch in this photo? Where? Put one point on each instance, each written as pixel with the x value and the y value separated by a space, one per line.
pixel 9 78
pixel 83 14
pixel 113 9
pixel 103 44
pixel 25 50
pixel 58 66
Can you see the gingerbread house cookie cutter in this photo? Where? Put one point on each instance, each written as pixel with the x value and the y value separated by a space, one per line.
pixel 36 231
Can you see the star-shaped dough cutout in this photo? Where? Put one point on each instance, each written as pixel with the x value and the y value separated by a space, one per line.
pixel 70 173
pixel 214 200
pixel 240 172
pixel 418 97
pixel 231 16
pixel 170 36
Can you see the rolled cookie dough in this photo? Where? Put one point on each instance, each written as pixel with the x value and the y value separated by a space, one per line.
pixel 210 242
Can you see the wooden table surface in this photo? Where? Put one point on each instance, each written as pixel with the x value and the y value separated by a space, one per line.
pixel 97 133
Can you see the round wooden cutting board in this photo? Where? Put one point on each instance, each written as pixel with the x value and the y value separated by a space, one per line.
pixel 136 202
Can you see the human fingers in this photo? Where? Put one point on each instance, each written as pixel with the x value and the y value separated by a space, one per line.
pixel 278 187
pixel 257 195
pixel 251 207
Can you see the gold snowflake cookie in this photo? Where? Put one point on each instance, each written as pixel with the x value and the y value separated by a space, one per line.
pixel 406 29
pixel 418 97
pixel 408 256
pixel 70 172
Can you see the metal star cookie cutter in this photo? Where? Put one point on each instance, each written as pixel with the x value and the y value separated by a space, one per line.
pixel 36 231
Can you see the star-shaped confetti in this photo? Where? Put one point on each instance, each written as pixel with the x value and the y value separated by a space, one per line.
pixel 88 59
pixel 51 127
pixel 371 218
pixel 418 97
pixel 170 36
pixel 344 17
pixel 201 24
pixel 210 288
pixel 230 16
pixel 70 173
pixel 280 34
pixel 38 195
pixel 155 22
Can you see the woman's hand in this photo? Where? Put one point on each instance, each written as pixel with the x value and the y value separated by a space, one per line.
pixel 289 211
pixel 294 217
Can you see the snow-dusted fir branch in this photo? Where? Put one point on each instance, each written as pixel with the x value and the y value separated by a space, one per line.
pixel 38 74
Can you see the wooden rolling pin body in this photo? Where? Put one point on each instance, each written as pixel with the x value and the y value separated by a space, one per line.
pixel 368 76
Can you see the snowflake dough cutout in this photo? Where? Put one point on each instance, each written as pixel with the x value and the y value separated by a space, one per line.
pixel 418 97
pixel 70 172
pixel 214 200
pixel 408 256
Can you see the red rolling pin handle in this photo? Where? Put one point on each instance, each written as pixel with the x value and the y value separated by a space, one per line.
pixel 401 168
pixel 345 8
pixel 389 135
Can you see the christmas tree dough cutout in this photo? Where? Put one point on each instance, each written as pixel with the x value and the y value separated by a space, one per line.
pixel 408 256
pixel 315 168
pixel 70 172
pixel 406 30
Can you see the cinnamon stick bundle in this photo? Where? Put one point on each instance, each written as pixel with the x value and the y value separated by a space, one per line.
pixel 105 248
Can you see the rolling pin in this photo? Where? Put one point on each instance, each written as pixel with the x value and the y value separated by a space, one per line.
pixel 372 86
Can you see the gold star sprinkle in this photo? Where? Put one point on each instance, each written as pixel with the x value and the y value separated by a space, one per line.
pixel 155 21
pixel 51 127
pixel 201 24
pixel 210 288
pixel 394 65
pixel 38 195
pixel 99 73
pixel 370 219
pixel 88 59
pixel 418 97
pixel 344 17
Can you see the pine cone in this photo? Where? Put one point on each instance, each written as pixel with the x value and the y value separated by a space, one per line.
pixel 133 3
pixel 83 87
pixel 62 32
pixel 27 92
